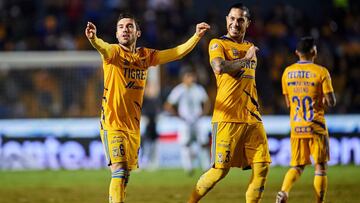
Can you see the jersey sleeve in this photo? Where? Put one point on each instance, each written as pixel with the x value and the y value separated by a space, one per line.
pixel 326 82
pixel 216 49
pixel 176 53
pixel 283 83
pixel 105 49
pixel 174 96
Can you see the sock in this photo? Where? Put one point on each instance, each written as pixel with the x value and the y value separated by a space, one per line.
pixel 117 186
pixel 320 186
pixel 206 182
pixel 256 186
pixel 291 177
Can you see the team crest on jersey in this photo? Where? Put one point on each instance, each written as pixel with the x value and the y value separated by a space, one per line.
pixel 235 52
pixel 115 151
pixel 214 46
pixel 220 158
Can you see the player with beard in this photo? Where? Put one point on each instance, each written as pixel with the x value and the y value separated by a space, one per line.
pixel 125 72
pixel 238 135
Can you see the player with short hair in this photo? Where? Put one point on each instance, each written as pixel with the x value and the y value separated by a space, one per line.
pixel 125 71
pixel 238 137
pixel 307 89
pixel 190 102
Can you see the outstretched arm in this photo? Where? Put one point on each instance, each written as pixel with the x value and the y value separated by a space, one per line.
pixel 97 43
pixel 220 65
pixel 168 55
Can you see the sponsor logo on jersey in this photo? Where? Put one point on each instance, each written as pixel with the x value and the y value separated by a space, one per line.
pixel 300 74
pixel 133 85
pixel 135 74
pixel 220 158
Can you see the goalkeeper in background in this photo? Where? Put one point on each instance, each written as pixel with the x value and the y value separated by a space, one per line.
pixel 125 72
pixel 307 89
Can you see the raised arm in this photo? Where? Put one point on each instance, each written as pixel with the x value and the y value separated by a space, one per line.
pixel 168 55
pixel 97 43
pixel 220 65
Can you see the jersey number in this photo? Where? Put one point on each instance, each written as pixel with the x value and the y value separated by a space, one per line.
pixel 307 106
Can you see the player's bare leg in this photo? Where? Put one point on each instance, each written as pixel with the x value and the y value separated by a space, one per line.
pixel 206 182
pixel 119 179
pixel 292 175
pixel 256 186
pixel 320 182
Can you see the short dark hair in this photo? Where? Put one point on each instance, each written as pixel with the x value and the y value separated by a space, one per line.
pixel 305 45
pixel 187 70
pixel 129 15
pixel 242 7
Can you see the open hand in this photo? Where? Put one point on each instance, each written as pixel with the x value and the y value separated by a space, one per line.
pixel 201 28
pixel 90 30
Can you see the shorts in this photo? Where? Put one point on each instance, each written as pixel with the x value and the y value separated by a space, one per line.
pixel 121 146
pixel 239 145
pixel 302 148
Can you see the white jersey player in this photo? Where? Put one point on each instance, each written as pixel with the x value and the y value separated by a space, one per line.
pixel 189 101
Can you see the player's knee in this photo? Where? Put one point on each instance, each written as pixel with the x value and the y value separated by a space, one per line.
pixel 299 169
pixel 118 166
pixel 216 174
pixel 209 179
pixel 320 169
pixel 223 172
pixel 263 169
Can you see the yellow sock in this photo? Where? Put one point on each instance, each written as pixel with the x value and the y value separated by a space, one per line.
pixel 320 186
pixel 291 177
pixel 206 182
pixel 117 186
pixel 256 186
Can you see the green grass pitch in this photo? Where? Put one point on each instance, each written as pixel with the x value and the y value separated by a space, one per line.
pixel 166 186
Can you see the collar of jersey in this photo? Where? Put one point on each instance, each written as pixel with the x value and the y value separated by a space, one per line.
pixel 304 62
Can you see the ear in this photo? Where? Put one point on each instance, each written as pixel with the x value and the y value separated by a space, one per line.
pixel 248 24
pixel 138 33
pixel 297 53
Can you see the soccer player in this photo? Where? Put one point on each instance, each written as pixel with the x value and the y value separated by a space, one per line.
pixel 189 101
pixel 307 89
pixel 238 137
pixel 125 72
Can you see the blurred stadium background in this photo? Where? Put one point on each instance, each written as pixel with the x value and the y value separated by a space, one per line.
pixel 51 83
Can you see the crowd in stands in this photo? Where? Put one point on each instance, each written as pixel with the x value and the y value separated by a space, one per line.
pixel 59 25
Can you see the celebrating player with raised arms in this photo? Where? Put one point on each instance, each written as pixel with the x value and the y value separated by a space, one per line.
pixel 307 89
pixel 238 137
pixel 125 71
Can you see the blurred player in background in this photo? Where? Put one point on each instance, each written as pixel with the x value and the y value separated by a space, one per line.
pixel 307 89
pixel 238 137
pixel 125 72
pixel 189 101
pixel 152 106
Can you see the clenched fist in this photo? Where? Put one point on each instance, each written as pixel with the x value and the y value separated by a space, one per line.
pixel 201 28
pixel 90 30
